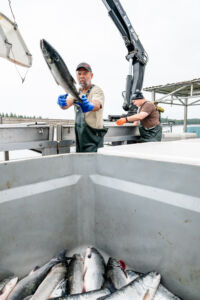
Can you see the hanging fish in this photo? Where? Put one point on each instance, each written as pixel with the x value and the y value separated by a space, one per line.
pixel 12 45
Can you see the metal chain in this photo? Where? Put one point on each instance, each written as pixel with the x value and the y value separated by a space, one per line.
pixel 22 78
pixel 9 1
pixel 15 25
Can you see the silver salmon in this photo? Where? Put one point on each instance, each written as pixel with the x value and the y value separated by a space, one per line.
pixel 75 275
pixel 60 290
pixel 162 292
pixel 116 274
pixel 94 270
pixel 93 295
pixel 28 285
pixel 143 288
pixel 6 287
pixel 57 273
pixel 59 69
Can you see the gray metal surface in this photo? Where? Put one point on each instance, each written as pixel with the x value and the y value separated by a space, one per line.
pixel 27 136
pixel 66 135
pixel 121 133
pixel 41 137
pixel 24 133
pixel 143 211
pixel 28 145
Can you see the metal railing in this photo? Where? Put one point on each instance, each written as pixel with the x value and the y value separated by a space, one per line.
pixel 115 136
pixel 38 138
pixel 48 139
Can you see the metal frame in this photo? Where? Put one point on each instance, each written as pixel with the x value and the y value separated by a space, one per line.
pixel 38 138
pixel 115 135
pixel 186 93
pixel 136 56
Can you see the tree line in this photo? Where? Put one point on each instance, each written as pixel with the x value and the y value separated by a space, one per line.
pixel 12 115
pixel 163 120
pixel 180 122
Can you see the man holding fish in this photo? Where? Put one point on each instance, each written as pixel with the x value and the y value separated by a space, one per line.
pixel 89 128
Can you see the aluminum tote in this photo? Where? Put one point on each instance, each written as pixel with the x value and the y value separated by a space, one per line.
pixel 143 211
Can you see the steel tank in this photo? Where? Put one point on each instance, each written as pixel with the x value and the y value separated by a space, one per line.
pixel 143 211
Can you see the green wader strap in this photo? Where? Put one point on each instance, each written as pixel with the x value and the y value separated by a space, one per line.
pixel 89 139
pixel 151 135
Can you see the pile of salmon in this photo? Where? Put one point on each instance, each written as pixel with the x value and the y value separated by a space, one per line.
pixel 85 277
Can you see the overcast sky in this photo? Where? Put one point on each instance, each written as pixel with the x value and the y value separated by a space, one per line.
pixel 81 30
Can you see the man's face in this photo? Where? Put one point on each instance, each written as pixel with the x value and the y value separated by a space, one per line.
pixel 84 77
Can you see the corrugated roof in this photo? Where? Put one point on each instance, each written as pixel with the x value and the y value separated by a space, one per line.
pixel 170 87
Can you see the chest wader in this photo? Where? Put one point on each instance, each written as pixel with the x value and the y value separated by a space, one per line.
pixel 151 135
pixel 88 139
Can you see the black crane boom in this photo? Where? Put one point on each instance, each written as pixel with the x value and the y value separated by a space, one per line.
pixel 136 56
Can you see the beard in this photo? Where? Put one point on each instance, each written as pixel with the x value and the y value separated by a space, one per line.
pixel 85 84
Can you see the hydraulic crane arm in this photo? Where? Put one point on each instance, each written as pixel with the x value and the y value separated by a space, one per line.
pixel 136 56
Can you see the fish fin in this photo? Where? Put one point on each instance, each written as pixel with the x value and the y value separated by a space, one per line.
pixel 102 298
pixel 109 285
pixel 34 269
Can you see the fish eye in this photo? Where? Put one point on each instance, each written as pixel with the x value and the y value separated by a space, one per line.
pixel 89 255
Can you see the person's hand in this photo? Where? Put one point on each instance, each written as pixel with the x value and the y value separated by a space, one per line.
pixel 85 105
pixel 121 121
pixel 62 100
pixel 135 123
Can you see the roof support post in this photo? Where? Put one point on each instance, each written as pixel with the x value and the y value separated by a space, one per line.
pixel 6 155
pixel 185 115
pixel 153 95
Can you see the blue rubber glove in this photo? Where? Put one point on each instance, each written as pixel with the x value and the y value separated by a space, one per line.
pixel 85 104
pixel 62 100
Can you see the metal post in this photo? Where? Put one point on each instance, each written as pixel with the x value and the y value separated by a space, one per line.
pixel 170 124
pixel 130 70
pixel 153 96
pixel 185 115
pixel 6 155
pixel 51 133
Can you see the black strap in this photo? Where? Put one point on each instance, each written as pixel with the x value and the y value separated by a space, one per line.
pixel 88 91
